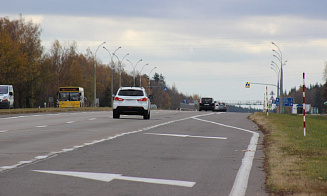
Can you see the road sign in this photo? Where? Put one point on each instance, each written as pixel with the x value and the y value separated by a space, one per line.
pixel 247 85
pixel 325 103
pixel 287 101
pixel 184 101
pixel 165 88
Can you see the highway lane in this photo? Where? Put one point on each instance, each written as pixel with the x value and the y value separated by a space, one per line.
pixel 24 137
pixel 173 153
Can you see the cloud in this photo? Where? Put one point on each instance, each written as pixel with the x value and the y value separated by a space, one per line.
pixel 177 9
pixel 223 43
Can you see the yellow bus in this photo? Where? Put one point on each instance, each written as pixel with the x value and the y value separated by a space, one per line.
pixel 71 97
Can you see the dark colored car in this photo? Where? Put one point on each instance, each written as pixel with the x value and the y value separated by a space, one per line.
pixel 207 103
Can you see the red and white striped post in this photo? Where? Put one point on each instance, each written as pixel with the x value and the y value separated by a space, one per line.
pixel 267 100
pixel 303 103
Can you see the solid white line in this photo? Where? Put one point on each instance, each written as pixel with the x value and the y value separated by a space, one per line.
pixel 42 157
pixel 177 135
pixel 242 177
pixel 3 131
pixel 92 118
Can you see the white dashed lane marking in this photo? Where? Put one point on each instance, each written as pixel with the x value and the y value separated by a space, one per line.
pixel 42 126
pixel 70 122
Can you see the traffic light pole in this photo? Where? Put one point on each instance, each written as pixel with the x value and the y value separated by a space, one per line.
pixel 248 83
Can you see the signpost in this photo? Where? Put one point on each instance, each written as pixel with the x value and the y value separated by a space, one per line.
pixel 287 101
pixel 304 131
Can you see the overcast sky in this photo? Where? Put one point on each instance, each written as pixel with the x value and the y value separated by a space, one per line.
pixel 206 47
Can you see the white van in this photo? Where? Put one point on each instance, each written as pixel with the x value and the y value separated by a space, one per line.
pixel 6 96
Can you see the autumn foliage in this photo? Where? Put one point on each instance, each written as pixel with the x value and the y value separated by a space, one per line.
pixel 36 73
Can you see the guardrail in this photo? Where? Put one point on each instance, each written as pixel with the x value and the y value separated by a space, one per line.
pixel 243 102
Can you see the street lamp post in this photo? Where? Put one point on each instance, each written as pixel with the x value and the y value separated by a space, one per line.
pixel 95 75
pixel 141 74
pixel 120 64
pixel 150 78
pixel 275 67
pixel 277 73
pixel 280 59
pixel 134 67
pixel 112 71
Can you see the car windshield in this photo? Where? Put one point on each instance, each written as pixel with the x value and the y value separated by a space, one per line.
pixel 130 92
pixel 206 100
pixel 3 89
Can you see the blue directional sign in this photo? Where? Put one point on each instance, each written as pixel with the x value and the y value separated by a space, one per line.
pixel 277 101
pixel 165 88
pixel 184 101
pixel 287 101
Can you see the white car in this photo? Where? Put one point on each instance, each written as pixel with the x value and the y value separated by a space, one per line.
pixel 220 106
pixel 131 101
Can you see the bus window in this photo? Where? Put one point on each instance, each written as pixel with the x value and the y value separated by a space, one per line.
pixel 74 96
pixel 63 96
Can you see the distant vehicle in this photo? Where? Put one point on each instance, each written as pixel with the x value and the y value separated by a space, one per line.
pixel 6 96
pixel 207 103
pixel 220 106
pixel 216 105
pixel 132 101
pixel 71 97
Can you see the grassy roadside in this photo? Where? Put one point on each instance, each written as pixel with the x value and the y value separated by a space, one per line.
pixel 295 164
pixel 50 110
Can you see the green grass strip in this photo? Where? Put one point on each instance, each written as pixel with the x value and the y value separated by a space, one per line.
pixel 295 164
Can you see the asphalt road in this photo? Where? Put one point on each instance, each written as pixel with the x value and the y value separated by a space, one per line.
pixel 90 153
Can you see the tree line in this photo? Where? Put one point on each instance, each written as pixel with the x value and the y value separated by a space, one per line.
pixel 316 95
pixel 37 73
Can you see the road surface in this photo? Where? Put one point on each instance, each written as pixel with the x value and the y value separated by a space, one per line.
pixel 90 153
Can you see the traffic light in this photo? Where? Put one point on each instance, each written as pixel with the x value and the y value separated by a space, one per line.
pixel 247 85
